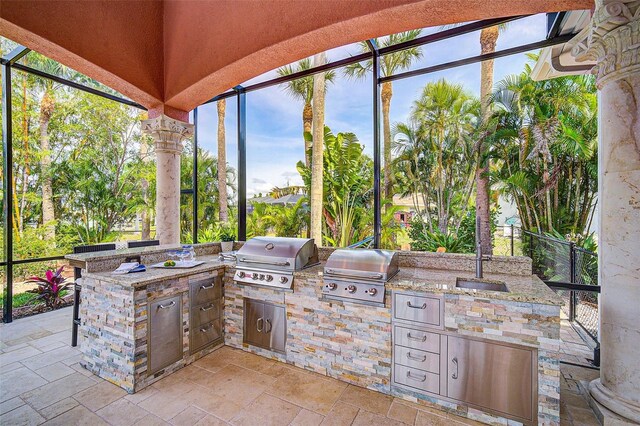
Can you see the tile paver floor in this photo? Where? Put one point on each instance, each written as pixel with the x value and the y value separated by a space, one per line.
pixel 41 382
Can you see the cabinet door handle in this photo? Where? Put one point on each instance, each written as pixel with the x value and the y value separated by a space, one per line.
pixel 454 376
pixel 167 306
pixel 417 379
pixel 424 305
pixel 269 327
pixel 416 358
pixel 205 329
pixel 260 324
pixel 207 308
pixel 207 287
pixel 419 339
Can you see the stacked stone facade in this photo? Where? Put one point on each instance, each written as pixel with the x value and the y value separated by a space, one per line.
pixel 114 330
pixel 347 341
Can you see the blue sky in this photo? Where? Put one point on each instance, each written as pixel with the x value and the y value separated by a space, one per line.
pixel 274 119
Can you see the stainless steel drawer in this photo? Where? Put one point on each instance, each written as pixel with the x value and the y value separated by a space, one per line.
pixel 205 291
pixel 205 313
pixel 205 334
pixel 165 333
pixel 418 379
pixel 414 358
pixel 418 339
pixel 419 309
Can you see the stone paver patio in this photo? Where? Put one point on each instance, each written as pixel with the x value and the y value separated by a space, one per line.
pixel 42 382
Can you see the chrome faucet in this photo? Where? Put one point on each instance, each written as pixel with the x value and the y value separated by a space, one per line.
pixel 480 258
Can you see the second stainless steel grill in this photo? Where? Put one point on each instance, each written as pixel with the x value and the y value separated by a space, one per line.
pixel 271 261
pixel 359 275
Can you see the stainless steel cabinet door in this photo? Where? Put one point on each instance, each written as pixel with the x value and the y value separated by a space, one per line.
pixel 254 323
pixel 275 327
pixel 165 333
pixel 492 376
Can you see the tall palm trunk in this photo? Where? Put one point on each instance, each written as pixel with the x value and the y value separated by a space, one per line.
pixel 47 106
pixel 222 163
pixel 317 199
pixel 386 94
pixel 488 40
pixel 307 127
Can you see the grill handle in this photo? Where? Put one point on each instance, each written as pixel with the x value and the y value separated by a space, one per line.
pixel 259 262
pixel 342 274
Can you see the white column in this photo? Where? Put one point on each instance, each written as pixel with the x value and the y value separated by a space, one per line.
pixel 614 43
pixel 168 135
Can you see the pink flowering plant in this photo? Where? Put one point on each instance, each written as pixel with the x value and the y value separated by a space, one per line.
pixel 50 287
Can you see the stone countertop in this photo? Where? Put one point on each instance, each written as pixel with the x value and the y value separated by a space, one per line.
pixel 140 279
pixel 522 288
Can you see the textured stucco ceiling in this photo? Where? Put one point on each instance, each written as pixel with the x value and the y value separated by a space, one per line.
pixel 173 55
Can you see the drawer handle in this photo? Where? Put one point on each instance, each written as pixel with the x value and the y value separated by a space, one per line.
pixel 269 327
pixel 260 324
pixel 207 308
pixel 417 379
pixel 424 306
pixel 454 376
pixel 167 306
pixel 416 358
pixel 207 287
pixel 419 339
pixel 205 329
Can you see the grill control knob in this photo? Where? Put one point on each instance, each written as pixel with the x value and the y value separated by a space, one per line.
pixel 269 278
pixel 241 274
pixel 373 292
pixel 261 277
pixel 351 289
pixel 254 276
pixel 332 286
pixel 284 279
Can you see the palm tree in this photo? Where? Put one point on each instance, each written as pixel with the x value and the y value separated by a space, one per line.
pixel 302 88
pixel 389 65
pixel 222 163
pixel 488 39
pixel 347 175
pixel 316 193
pixel 438 147
pixel 47 108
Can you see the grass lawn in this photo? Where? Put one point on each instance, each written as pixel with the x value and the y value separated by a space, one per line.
pixel 20 299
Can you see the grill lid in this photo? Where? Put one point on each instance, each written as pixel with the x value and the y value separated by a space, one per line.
pixel 277 253
pixel 371 265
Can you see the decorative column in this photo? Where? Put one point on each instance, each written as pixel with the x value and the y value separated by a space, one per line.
pixel 614 43
pixel 168 134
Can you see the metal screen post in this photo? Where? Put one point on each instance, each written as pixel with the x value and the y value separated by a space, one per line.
pixel 242 162
pixel 572 276
pixel 7 156
pixel 377 164
pixel 194 185
pixel 512 230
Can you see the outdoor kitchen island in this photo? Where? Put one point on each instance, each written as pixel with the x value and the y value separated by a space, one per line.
pixel 479 349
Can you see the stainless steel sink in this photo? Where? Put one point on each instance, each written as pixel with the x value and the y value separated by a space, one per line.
pixel 482 285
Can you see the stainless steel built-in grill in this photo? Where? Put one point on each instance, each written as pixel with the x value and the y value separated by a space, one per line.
pixel 359 275
pixel 271 261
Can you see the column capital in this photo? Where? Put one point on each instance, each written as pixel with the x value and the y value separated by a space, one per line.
pixel 613 40
pixel 168 133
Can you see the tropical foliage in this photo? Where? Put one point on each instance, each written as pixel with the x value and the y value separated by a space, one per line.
pixel 50 288
pixel 545 149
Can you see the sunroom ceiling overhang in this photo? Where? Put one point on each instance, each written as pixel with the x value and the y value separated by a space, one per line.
pixel 171 56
